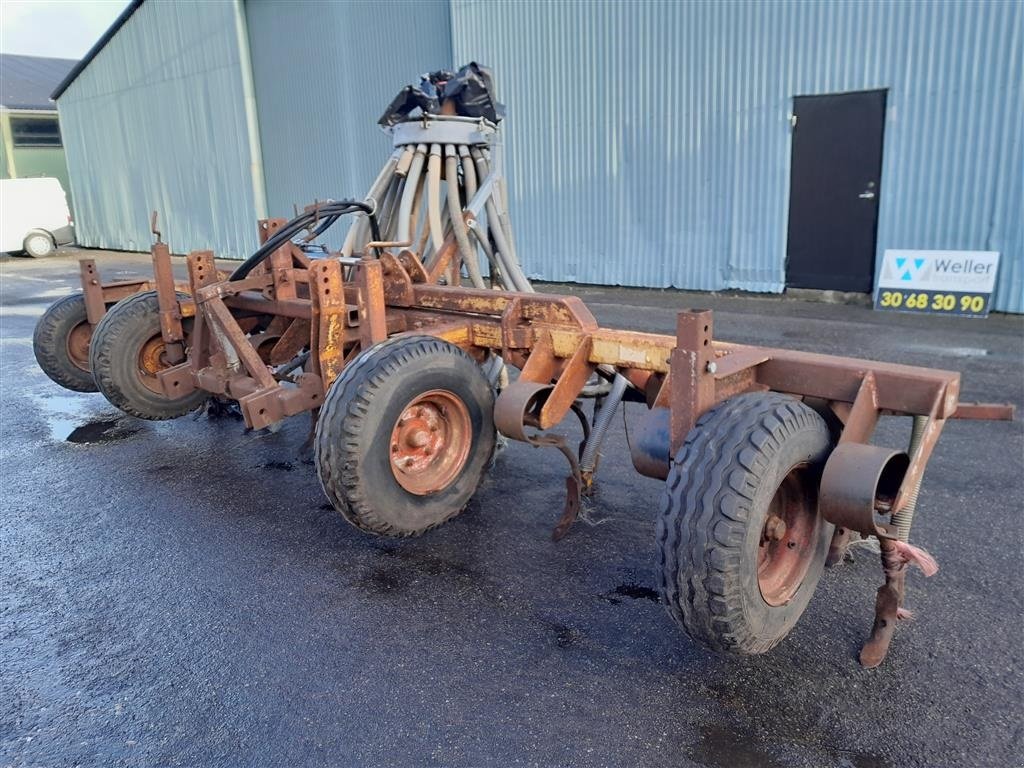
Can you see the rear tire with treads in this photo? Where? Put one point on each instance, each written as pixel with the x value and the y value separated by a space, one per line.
pixel 125 356
pixel 61 342
pixel 405 435
pixel 741 546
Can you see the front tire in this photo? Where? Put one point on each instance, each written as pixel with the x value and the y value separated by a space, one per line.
pixel 127 353
pixel 404 436
pixel 61 344
pixel 741 545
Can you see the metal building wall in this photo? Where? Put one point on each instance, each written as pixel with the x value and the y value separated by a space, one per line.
pixel 324 73
pixel 649 142
pixel 157 121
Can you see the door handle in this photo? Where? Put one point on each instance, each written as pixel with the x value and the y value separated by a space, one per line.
pixel 869 195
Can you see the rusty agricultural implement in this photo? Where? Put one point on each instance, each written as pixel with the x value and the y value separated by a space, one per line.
pixel 766 453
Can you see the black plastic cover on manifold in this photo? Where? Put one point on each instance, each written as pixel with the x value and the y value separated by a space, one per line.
pixel 471 89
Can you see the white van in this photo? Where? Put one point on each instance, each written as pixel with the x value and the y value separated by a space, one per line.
pixel 34 216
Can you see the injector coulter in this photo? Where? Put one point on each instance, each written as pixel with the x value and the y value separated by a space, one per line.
pixel 410 374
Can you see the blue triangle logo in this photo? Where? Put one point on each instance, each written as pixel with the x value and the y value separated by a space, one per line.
pixel 918 263
pixel 900 263
pixel 906 276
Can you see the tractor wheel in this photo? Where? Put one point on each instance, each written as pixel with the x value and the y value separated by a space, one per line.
pixel 61 344
pixel 127 352
pixel 741 545
pixel 404 436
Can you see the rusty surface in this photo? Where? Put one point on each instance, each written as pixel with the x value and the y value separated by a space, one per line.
pixel 888 600
pixel 170 314
pixel 329 310
pixel 290 343
pixel 216 312
pixel 859 487
pixel 95 307
pixel 372 320
pixel 985 411
pixel 692 383
pixel 788 538
pixel 430 442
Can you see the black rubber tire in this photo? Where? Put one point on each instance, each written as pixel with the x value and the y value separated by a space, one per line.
pixel 353 434
pixel 39 244
pixel 113 356
pixel 716 500
pixel 50 344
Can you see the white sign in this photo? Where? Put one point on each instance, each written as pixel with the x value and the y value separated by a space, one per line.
pixel 938 282
pixel 957 271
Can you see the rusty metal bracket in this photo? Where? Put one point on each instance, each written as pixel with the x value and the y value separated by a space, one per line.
pixel 95 306
pixel 328 335
pixel 859 484
pixel 370 298
pixel 167 300
pixel 692 377
pixel 519 406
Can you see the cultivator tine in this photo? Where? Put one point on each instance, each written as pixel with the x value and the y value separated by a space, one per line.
pixel 887 604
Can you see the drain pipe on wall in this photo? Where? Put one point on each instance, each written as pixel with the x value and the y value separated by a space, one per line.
pixel 252 123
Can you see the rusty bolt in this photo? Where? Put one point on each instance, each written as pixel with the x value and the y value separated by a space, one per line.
pixel 712 366
pixel 410 461
pixel 775 528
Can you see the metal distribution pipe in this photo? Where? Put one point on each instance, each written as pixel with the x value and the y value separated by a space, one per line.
pixel 505 254
pixel 410 195
pixel 434 197
pixel 411 205
pixel 468 251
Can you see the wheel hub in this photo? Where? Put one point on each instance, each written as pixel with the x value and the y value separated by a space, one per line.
pixel 430 442
pixel 151 361
pixel 78 345
pixel 787 539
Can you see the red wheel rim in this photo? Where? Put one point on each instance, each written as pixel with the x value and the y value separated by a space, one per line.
pixel 788 538
pixel 78 345
pixel 430 442
pixel 152 361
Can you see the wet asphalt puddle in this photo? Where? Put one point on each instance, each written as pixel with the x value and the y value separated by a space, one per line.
pixel 75 419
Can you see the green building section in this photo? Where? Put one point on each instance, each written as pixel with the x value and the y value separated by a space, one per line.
pixel 32 147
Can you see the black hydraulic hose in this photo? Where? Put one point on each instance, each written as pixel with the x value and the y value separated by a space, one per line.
pixel 329 213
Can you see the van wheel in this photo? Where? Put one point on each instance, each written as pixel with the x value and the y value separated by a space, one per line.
pixel 39 244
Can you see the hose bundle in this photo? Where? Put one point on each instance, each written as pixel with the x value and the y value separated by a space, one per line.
pixel 318 219
pixel 446 160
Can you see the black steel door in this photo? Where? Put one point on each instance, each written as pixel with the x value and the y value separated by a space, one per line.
pixel 834 189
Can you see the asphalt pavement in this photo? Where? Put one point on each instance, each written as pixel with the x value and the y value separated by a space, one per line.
pixel 182 593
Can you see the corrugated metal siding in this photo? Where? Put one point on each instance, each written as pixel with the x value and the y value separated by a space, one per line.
pixel 157 121
pixel 324 73
pixel 648 142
